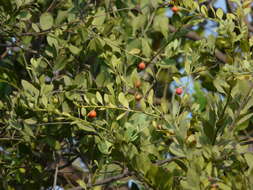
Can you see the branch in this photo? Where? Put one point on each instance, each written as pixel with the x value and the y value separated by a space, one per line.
pixel 125 173
pixel 229 6
pixel 3 54
pixel 55 176
pixel 194 36
pixel 51 6
pixel 168 160
pixel 69 163
pixel 18 46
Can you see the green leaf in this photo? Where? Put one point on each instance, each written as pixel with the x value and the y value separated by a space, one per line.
pixel 52 41
pixel 104 147
pixel 28 131
pixel 121 116
pixel 193 179
pixel 146 47
pixel 35 27
pixel 219 13
pixel 204 10
pixel 61 15
pixel 161 24
pixel 142 163
pixel 151 97
pixel 165 105
pixel 46 21
pixel 123 100
pixel 30 88
pixel 84 127
pixel 95 44
pixel 249 157
pixel 220 85
pixel 135 51
pixel 73 49
pixel 99 18
pixel 30 121
pixel 251 41
pixel 245 118
pixel 176 150
pixel 82 184
pixel 131 133
pixel 138 22
pixel 187 67
pixel 99 97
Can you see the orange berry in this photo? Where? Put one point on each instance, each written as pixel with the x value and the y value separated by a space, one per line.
pixel 142 65
pixel 160 127
pixel 175 9
pixel 92 114
pixel 138 97
pixel 214 187
pixel 179 91
pixel 137 84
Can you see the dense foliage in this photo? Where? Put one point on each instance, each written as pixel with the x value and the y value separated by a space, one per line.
pixel 89 100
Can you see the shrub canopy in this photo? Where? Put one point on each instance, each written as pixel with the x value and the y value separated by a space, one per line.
pixel 59 60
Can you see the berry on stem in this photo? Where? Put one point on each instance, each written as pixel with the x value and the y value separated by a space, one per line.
pixel 142 65
pixel 214 187
pixel 138 97
pixel 175 9
pixel 92 114
pixel 137 84
pixel 179 91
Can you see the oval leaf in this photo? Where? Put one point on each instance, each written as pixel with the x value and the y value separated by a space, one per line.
pixel 123 100
pixel 46 21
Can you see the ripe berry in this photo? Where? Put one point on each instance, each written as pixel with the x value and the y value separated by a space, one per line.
pixel 214 187
pixel 92 114
pixel 160 127
pixel 175 9
pixel 179 91
pixel 138 97
pixel 142 65
pixel 137 84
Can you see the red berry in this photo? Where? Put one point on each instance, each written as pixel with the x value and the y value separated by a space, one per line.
pixel 92 114
pixel 179 91
pixel 175 9
pixel 142 65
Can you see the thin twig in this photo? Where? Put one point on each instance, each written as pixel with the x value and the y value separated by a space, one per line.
pixel 125 173
pixel 168 160
pixel 3 54
pixel 55 176
pixel 51 6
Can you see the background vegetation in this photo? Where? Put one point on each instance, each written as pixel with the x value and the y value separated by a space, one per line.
pixel 61 59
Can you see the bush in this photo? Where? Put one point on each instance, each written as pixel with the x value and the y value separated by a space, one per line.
pixel 94 93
